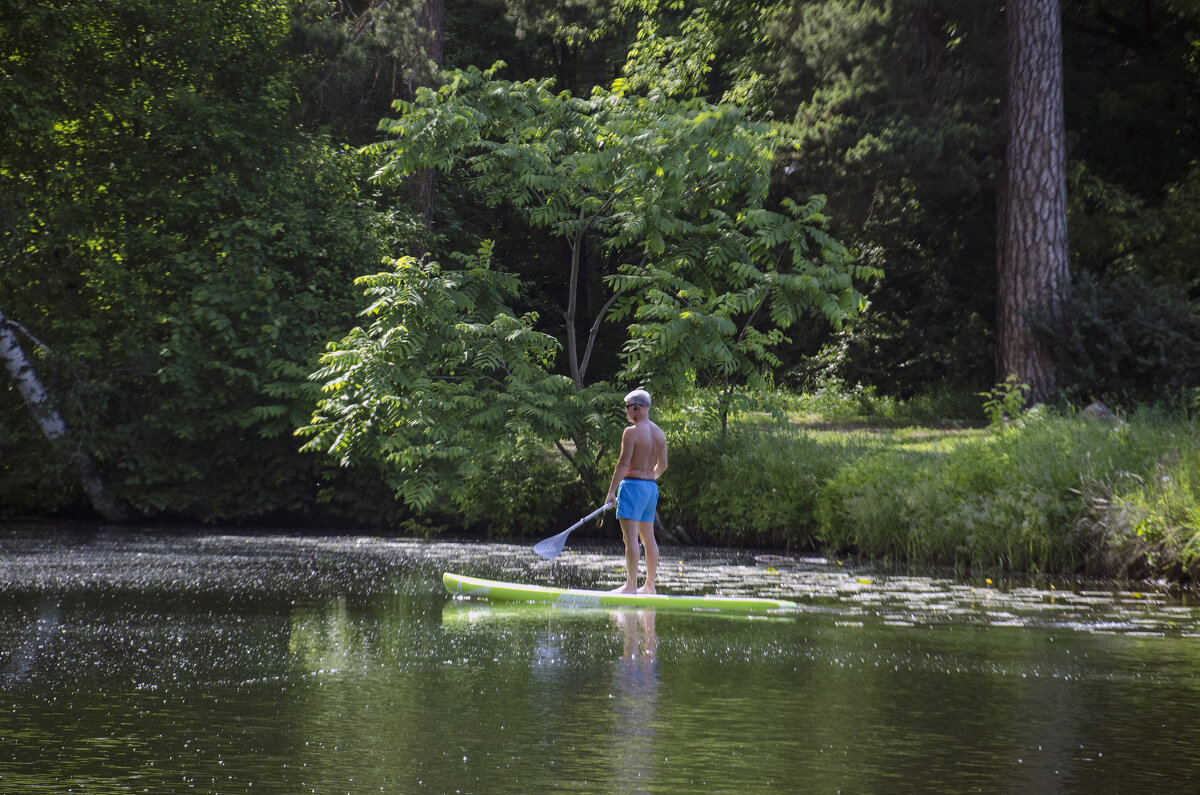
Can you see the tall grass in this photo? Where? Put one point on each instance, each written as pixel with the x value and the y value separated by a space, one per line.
pixel 1051 493
pixel 756 483
pixel 1147 523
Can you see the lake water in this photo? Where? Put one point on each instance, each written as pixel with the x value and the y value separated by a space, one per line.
pixel 276 663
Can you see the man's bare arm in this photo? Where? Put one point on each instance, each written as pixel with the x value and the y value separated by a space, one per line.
pixel 622 465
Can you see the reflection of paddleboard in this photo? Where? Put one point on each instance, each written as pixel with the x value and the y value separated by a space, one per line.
pixel 572 597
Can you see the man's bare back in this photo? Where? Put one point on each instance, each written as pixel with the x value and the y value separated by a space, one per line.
pixel 646 447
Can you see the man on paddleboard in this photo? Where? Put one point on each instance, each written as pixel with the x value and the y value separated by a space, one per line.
pixel 643 459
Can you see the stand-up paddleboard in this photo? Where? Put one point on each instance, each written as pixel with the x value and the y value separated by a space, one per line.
pixel 573 597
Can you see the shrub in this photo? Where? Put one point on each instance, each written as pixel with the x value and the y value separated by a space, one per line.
pixel 754 483
pixel 1130 342
pixel 1006 500
pixel 1147 523
pixel 520 489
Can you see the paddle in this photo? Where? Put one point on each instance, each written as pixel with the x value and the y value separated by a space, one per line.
pixel 550 548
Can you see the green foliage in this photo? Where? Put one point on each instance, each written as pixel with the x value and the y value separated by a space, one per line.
pixel 716 317
pixel 1129 342
pixel 446 378
pixel 1150 526
pixel 672 192
pixel 639 174
pixel 780 454
pixel 717 49
pixel 344 52
pixel 176 242
pixel 520 487
pixel 753 485
pixel 1005 401
pixel 1117 235
pixel 580 44
pixel 663 199
pixel 1008 501
pixel 894 106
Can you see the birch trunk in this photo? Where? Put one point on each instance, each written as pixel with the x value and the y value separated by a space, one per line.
pixel 1032 258
pixel 37 400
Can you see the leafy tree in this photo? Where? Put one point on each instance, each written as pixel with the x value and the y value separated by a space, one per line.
pixel 718 326
pixel 716 49
pixel 358 57
pixel 445 369
pixel 177 244
pixel 658 203
pixel 894 106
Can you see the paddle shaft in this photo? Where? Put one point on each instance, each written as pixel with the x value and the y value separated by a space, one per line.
pixel 551 547
pixel 588 518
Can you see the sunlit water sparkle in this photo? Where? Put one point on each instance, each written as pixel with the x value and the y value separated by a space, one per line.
pixel 163 661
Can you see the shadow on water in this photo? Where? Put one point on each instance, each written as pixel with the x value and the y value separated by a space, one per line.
pixel 273 662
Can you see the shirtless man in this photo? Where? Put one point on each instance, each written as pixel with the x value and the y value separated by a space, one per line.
pixel 643 459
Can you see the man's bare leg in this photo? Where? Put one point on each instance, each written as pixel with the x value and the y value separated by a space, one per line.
pixel 649 636
pixel 629 529
pixel 646 531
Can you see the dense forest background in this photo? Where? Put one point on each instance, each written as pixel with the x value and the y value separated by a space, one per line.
pixel 186 200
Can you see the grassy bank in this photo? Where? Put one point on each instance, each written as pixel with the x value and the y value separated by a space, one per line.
pixel 1051 493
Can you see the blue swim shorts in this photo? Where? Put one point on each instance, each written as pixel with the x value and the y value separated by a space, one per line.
pixel 637 499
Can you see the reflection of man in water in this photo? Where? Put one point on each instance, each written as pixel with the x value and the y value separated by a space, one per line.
pixel 636 687
pixel 36 642
pixel 643 459
pixel 641 645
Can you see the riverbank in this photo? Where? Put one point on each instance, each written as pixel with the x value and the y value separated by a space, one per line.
pixel 855 475
pixel 1051 493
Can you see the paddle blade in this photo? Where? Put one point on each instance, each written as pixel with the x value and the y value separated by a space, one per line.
pixel 550 548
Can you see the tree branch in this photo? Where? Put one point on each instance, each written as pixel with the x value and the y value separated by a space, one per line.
pixel 572 305
pixel 14 324
pixel 593 332
pixel 572 460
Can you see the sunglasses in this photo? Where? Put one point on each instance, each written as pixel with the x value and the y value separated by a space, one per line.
pixel 632 405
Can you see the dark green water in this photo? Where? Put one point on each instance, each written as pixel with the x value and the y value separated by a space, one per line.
pixel 141 662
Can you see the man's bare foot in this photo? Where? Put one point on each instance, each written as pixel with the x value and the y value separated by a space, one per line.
pixel 624 589
pixel 647 589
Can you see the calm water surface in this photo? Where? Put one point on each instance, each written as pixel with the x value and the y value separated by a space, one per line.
pixel 154 662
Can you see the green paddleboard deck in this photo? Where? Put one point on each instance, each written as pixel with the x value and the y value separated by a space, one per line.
pixel 574 597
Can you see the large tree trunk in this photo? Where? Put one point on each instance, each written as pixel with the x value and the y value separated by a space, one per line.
pixel 1032 261
pixel 37 400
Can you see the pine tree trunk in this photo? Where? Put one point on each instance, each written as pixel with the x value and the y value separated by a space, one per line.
pixel 431 20
pixel 37 400
pixel 1032 258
